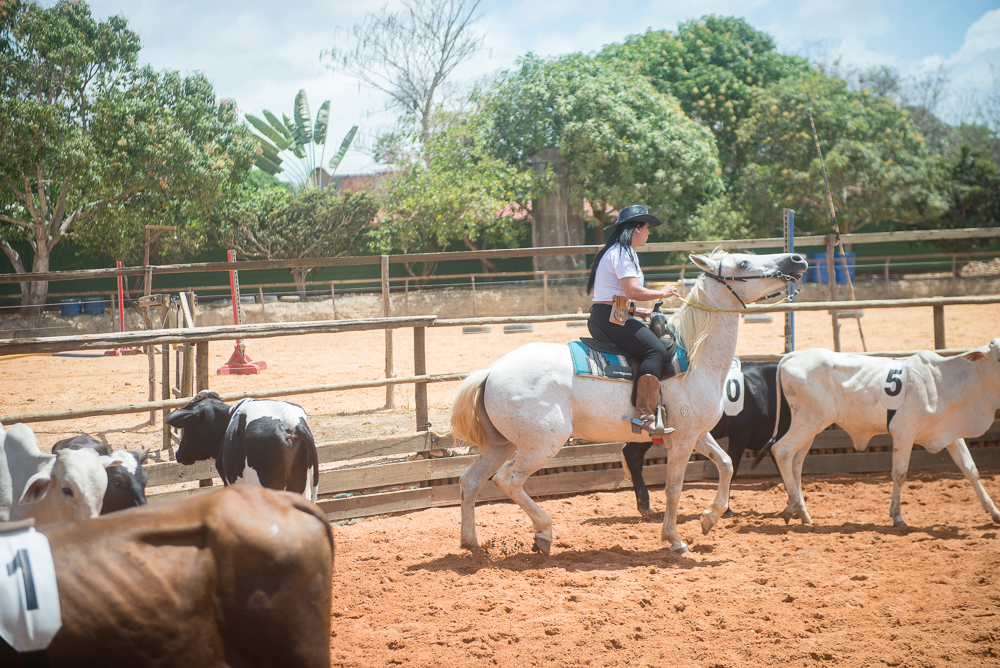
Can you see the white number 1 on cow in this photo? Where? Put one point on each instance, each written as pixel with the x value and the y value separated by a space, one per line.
pixel 29 598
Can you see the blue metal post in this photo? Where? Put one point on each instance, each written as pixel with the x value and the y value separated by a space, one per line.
pixel 788 222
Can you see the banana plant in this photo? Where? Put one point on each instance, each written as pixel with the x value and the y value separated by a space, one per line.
pixel 299 136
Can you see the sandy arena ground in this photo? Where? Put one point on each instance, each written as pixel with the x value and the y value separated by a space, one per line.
pixel 850 590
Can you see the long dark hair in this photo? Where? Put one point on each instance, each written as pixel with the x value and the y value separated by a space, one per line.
pixel 621 236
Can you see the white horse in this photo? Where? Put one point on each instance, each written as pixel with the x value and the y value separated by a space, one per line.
pixel 526 405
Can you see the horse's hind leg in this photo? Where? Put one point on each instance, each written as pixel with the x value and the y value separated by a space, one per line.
pixel 511 480
pixel 494 453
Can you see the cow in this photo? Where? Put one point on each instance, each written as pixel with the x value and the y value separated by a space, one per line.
pixel 253 441
pixel 925 399
pixel 236 577
pixel 68 485
pixel 126 478
pixel 751 428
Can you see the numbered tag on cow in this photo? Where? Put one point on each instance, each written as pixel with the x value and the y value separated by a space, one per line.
pixel 732 395
pixel 893 384
pixel 29 598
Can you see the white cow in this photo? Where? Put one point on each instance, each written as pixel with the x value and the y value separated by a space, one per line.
pixel 926 399
pixel 69 485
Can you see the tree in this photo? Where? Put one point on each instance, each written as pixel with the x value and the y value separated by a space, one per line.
pixel 714 66
pixel 411 55
pixel 270 223
pixel 92 146
pixel 878 167
pixel 455 190
pixel 971 186
pixel 298 136
pixel 624 142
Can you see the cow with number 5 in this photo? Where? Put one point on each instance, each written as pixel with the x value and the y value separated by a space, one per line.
pixel 925 399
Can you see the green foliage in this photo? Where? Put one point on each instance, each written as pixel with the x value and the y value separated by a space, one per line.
pixel 93 147
pixel 270 223
pixel 300 137
pixel 714 66
pixel 624 142
pixel 878 167
pixel 971 185
pixel 457 191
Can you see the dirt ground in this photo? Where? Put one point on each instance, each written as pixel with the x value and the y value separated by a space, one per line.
pixel 850 590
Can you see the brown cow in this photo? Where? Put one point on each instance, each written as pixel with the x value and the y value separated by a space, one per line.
pixel 238 577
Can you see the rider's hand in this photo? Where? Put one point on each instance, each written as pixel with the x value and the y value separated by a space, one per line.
pixel 642 313
pixel 670 290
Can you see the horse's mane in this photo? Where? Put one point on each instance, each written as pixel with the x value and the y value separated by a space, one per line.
pixel 694 324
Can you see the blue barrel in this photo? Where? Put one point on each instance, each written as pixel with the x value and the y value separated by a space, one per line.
pixel 838 264
pixel 69 306
pixel 93 305
pixel 817 268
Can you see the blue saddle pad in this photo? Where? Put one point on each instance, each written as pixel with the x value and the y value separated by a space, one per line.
pixel 590 362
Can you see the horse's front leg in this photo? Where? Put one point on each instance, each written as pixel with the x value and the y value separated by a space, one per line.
pixel 677 461
pixel 706 445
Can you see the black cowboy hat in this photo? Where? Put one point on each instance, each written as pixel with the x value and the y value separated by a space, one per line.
pixel 636 215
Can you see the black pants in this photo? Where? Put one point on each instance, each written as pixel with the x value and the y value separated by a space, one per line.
pixel 634 338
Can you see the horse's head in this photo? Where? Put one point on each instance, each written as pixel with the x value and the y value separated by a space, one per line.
pixel 748 278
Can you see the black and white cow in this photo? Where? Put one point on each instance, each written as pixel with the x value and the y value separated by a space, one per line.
pixel 126 477
pixel 749 428
pixel 254 441
pixel 923 399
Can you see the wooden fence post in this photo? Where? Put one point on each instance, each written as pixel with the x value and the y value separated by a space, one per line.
pixel 545 293
pixel 939 340
pixel 387 312
pixel 473 279
pixel 420 369
pixel 165 380
pixel 263 311
pixel 333 299
pixel 201 362
pixel 150 350
pixel 887 260
pixel 831 273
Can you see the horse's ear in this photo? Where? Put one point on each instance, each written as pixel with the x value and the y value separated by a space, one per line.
pixel 703 262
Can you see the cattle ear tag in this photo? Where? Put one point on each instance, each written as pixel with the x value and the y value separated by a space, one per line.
pixel 974 355
pixel 36 489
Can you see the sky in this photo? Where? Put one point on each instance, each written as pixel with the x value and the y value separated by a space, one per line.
pixel 261 53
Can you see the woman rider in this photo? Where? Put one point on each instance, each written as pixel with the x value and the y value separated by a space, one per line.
pixel 615 276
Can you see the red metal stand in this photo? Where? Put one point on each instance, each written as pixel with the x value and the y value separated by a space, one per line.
pixel 239 363
pixel 118 352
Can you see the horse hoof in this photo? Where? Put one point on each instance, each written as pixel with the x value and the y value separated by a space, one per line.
pixel 679 549
pixel 471 547
pixel 543 545
pixel 898 523
pixel 706 523
pixel 786 515
pixel 645 512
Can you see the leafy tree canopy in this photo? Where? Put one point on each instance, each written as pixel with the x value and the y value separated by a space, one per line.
pixel 714 66
pixel 878 166
pixel 269 222
pixel 91 146
pixel 624 141
pixel 455 189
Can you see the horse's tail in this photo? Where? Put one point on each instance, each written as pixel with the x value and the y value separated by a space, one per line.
pixel 779 400
pixel 465 425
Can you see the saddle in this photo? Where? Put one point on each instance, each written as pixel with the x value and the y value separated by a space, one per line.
pixel 658 324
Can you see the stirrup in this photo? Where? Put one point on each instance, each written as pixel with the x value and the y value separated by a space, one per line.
pixel 661 428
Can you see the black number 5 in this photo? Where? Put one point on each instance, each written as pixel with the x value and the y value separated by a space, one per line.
pixel 894 380
pixel 22 563
pixel 733 390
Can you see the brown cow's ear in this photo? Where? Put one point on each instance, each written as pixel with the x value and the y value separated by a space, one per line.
pixel 141 455
pixel 974 355
pixel 36 489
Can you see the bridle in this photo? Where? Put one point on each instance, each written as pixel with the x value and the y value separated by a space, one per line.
pixel 727 280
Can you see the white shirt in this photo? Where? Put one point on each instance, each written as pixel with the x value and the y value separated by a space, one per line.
pixel 616 264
